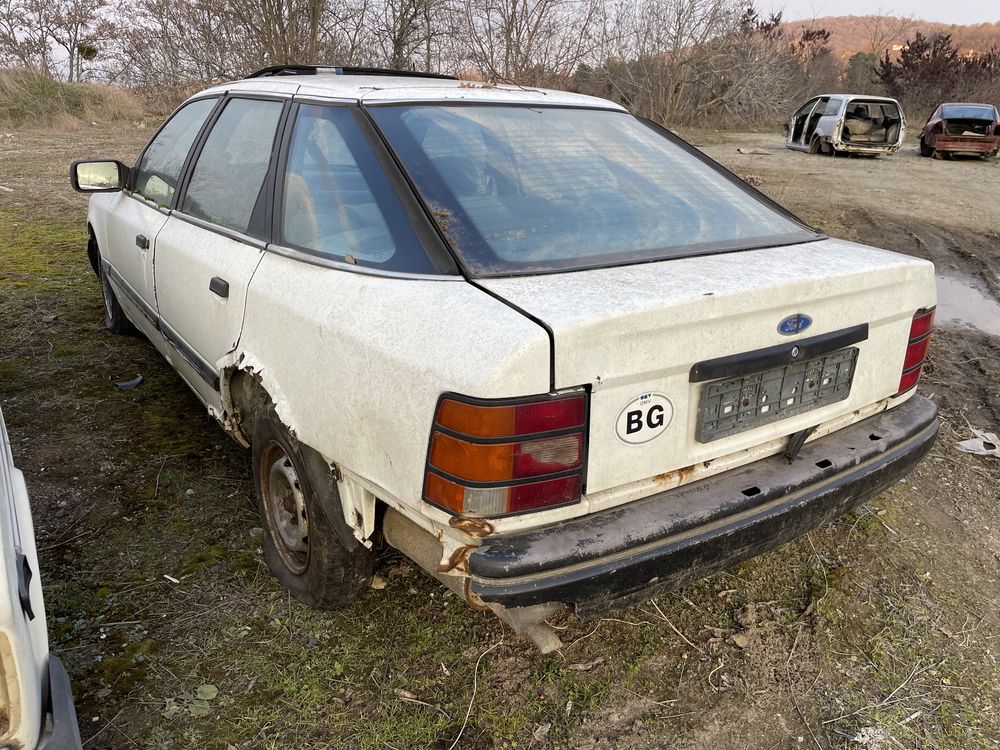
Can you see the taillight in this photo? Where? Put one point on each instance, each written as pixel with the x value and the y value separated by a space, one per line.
pixel 490 458
pixel 916 349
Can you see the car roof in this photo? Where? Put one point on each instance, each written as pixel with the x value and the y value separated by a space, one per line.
pixel 372 89
pixel 857 96
pixel 966 104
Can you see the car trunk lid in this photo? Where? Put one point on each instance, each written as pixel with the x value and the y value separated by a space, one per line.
pixel 633 335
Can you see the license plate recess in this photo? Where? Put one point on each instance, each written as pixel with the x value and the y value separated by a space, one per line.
pixel 739 404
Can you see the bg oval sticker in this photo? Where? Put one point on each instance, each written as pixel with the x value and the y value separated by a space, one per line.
pixel 644 418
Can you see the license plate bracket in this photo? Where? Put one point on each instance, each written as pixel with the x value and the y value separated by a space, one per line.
pixel 742 403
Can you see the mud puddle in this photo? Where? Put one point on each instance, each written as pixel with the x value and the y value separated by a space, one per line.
pixel 961 303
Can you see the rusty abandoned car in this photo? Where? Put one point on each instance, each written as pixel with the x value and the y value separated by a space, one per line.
pixel 547 349
pixel 961 128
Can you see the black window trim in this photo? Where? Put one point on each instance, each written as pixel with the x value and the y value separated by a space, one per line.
pixel 129 189
pixel 711 248
pixel 267 186
pixel 425 231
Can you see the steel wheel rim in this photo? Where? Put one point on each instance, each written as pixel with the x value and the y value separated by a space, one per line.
pixel 285 506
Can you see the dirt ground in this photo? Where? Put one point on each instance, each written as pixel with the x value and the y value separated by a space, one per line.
pixel 880 630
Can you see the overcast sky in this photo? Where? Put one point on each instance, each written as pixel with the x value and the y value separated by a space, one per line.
pixel 953 11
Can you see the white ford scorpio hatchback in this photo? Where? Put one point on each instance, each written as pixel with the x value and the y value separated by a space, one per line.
pixel 547 349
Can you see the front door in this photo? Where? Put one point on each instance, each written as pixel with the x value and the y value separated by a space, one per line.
pixel 142 210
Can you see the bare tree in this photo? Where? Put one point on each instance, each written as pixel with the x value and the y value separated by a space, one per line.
pixel 883 29
pixel 529 41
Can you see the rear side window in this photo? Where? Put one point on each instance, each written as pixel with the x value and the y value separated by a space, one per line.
pixel 161 164
pixel 337 201
pixel 228 179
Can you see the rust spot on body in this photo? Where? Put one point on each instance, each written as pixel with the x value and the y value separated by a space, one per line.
pixel 677 476
pixel 474 527
pixel 472 598
pixel 459 560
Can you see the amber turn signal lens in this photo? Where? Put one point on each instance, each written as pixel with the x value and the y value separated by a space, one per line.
pixel 489 459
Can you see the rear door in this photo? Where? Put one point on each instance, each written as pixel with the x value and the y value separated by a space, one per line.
pixel 23 640
pixel 141 212
pixel 209 248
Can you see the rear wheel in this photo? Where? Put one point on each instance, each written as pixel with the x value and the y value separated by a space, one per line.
pixel 815 145
pixel 307 548
pixel 114 317
pixel 925 150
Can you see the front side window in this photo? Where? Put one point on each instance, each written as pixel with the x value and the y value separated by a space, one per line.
pixel 337 201
pixel 228 180
pixel 160 168
pixel 534 189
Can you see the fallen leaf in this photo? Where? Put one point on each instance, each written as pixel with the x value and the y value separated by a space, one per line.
pixel 541 732
pixel 378 583
pixel 207 692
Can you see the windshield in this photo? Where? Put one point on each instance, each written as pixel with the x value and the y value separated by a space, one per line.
pixel 970 111
pixel 535 189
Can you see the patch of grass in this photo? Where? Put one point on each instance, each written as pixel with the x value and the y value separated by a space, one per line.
pixel 36 100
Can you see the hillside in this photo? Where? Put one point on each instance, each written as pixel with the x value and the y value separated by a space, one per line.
pixel 850 34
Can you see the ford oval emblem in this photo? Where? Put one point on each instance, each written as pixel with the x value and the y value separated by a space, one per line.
pixel 794 324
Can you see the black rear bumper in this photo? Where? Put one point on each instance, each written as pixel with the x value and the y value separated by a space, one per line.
pixel 607 559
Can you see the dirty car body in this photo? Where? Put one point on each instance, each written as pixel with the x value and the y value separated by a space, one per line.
pixel 962 128
pixel 847 123
pixel 551 352
pixel 36 703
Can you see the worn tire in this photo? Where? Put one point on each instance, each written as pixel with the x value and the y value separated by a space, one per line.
pixel 318 561
pixel 815 145
pixel 925 150
pixel 114 317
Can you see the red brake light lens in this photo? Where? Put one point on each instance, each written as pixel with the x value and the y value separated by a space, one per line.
pixel 488 459
pixel 916 349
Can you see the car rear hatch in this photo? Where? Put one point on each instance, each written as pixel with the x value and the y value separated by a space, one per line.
pixel 656 345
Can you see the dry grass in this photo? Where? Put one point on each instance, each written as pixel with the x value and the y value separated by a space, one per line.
pixel 28 99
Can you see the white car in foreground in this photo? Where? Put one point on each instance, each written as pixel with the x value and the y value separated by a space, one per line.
pixel 36 704
pixel 548 350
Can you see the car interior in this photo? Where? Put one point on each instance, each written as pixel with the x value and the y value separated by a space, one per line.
pixel 871 122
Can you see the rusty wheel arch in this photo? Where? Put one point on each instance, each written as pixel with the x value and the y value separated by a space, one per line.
pixel 245 398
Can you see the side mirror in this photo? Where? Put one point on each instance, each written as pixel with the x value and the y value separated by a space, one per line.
pixel 98 176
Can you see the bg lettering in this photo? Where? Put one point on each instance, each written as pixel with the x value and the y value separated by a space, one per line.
pixel 634 419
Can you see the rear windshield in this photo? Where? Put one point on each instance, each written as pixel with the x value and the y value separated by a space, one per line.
pixel 535 189
pixel 970 111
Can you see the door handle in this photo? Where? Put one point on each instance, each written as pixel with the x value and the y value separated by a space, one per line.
pixel 219 286
pixel 24 576
pixel 142 242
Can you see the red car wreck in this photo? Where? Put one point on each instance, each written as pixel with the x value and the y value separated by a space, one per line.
pixel 961 128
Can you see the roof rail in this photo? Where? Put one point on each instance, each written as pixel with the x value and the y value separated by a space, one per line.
pixel 340 70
